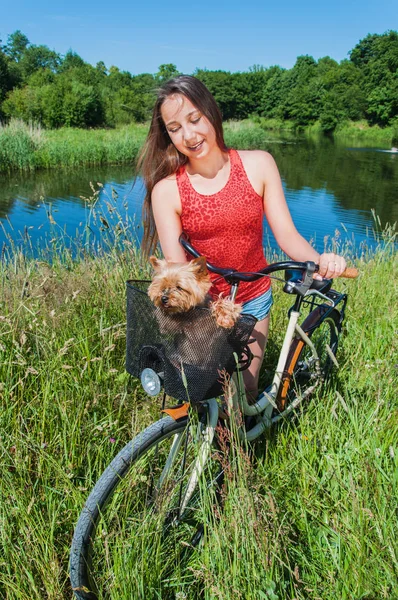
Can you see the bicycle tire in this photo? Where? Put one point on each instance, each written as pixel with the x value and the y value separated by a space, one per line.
pixel 322 326
pixel 137 453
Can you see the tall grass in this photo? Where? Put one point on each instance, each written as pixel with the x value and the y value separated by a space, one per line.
pixel 19 145
pixel 309 514
pixel 28 147
pixel 354 131
pixel 361 131
pixel 246 135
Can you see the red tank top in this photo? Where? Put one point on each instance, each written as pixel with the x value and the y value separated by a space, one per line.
pixel 227 228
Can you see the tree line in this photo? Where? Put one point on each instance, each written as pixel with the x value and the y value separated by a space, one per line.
pixel 40 85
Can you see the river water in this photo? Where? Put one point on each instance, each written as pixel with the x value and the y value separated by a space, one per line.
pixel 331 189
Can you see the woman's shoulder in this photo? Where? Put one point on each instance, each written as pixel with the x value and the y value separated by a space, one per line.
pixel 166 191
pixel 260 168
pixel 255 158
pixel 166 185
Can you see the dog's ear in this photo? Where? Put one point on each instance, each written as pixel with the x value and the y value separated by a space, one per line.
pixel 200 265
pixel 156 263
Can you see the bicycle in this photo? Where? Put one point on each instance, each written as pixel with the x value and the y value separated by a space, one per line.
pixel 165 471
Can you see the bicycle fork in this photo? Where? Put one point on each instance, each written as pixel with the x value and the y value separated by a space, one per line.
pixel 205 445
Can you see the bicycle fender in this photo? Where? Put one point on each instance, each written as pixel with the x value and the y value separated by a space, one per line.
pixel 178 412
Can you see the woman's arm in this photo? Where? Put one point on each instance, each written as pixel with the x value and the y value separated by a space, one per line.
pixel 166 206
pixel 283 228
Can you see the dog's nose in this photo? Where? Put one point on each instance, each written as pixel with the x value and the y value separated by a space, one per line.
pixel 164 299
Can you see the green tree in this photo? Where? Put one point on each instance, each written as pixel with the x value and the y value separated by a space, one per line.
pixel 16 46
pixel 101 68
pixel 383 102
pixel 41 77
pixel 85 73
pixel 303 91
pixel 118 79
pixel 166 72
pixel 220 84
pixel 273 92
pixel 344 97
pixel 23 103
pixel 377 58
pixel 38 57
pixel 6 80
pixel 256 80
pixel 325 65
pixel 71 60
pixel 82 106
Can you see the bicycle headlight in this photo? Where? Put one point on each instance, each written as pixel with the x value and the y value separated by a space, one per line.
pixel 150 382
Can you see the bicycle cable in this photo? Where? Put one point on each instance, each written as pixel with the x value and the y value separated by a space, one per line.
pixel 249 273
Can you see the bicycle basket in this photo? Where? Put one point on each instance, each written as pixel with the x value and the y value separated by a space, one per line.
pixel 186 346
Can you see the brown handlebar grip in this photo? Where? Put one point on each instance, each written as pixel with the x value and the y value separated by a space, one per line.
pixel 350 273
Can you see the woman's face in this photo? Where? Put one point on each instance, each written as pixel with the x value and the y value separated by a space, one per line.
pixel 189 130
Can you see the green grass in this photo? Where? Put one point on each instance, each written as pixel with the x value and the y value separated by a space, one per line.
pixel 19 145
pixel 361 131
pixel 28 147
pixel 247 135
pixel 354 131
pixel 312 515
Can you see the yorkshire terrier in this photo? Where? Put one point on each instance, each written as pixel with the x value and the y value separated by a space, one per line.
pixel 178 287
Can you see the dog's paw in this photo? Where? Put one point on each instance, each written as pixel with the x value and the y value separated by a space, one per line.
pixel 225 312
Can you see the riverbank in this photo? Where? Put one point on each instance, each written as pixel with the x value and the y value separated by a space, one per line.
pixel 313 515
pixel 350 131
pixel 24 147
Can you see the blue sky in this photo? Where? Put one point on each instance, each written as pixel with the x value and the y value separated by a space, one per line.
pixel 232 35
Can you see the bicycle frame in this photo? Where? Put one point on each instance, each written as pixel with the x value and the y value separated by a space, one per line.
pixel 264 406
pixel 237 400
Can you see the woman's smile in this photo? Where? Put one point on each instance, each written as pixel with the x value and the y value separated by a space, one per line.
pixel 196 147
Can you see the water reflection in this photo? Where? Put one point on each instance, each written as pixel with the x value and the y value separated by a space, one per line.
pixel 328 186
pixel 28 189
pixel 359 178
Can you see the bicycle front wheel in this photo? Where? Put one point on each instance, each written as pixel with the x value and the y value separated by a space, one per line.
pixel 303 373
pixel 137 521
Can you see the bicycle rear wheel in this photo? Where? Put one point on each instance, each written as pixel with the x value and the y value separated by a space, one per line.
pixel 302 375
pixel 133 528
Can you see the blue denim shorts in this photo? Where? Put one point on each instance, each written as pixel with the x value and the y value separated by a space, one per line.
pixel 259 307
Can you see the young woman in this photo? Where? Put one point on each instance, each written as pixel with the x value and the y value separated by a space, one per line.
pixel 218 196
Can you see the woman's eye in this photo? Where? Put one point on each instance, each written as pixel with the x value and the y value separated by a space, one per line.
pixel 174 130
pixel 194 121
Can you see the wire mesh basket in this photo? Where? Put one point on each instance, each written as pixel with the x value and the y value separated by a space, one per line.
pixel 190 351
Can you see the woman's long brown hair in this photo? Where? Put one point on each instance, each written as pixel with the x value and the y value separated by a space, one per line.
pixel 159 157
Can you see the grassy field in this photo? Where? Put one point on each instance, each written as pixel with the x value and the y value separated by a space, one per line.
pixel 28 147
pixel 313 515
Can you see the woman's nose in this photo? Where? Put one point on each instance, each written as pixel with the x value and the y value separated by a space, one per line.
pixel 189 133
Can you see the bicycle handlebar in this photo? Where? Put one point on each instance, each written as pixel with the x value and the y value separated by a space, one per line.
pixel 233 276
pixel 350 273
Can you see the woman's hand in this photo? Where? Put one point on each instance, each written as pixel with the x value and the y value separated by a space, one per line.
pixel 331 265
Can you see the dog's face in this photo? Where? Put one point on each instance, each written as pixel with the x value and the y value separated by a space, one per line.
pixel 178 287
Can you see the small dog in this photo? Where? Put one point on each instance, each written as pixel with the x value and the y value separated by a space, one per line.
pixel 178 287
pixel 198 343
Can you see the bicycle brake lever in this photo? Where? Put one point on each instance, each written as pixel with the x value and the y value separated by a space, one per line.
pixel 302 287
